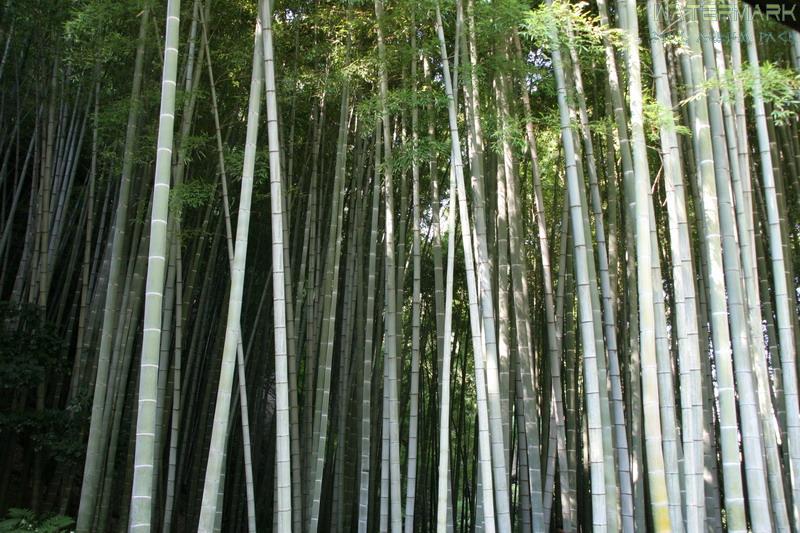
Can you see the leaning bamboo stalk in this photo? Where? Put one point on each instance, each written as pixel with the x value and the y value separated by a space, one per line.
pixel 554 340
pixel 95 451
pixel 608 295
pixel 485 454
pixel 647 323
pixel 484 281
pixel 219 434
pixel 141 494
pixel 590 355
pixel 240 362
pixel 329 312
pixel 683 275
pixel 416 304
pixel 725 172
pixel 712 251
pixel 786 333
pixel 283 456
pixel 172 460
pixel 369 327
pixel 392 335
pixel 443 487
pixel 80 359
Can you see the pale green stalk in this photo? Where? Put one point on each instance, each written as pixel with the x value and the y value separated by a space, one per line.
pixel 98 434
pixel 283 480
pixel 485 455
pixel 592 382
pixel 216 453
pixel 782 294
pixel 142 491
pixel 659 499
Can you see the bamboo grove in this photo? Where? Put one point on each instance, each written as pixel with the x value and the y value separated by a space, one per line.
pixel 399 265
